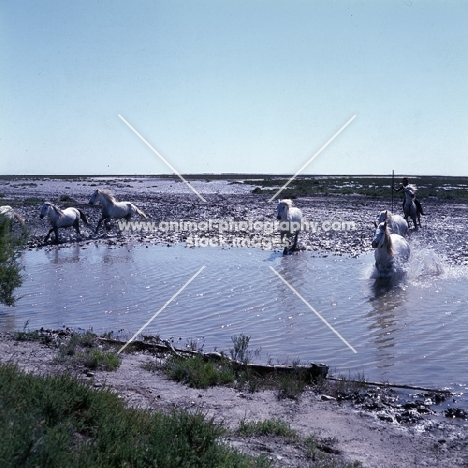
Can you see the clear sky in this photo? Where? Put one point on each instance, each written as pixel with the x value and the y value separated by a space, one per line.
pixel 242 86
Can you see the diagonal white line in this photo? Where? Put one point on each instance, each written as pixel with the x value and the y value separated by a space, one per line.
pixel 161 309
pixel 160 157
pixel 312 158
pixel 313 310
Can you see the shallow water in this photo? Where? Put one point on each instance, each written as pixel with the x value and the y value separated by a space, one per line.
pixel 412 332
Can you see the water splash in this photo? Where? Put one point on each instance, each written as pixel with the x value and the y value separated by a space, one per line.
pixel 425 263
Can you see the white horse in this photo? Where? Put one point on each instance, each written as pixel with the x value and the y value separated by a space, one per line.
pixel 409 206
pixel 9 213
pixel 62 218
pixel 396 223
pixel 391 250
pixel 112 209
pixel 290 219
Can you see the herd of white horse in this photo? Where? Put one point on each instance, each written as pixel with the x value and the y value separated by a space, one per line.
pixel 391 249
pixel 70 217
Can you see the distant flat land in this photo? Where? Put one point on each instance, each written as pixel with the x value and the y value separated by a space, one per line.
pixel 443 188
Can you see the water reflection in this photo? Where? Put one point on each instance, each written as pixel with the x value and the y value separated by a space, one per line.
pixel 293 269
pixel 388 301
pixel 62 256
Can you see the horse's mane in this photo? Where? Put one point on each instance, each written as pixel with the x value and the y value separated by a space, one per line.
pixel 107 195
pixel 58 210
pixel 388 241
pixel 55 208
pixel 287 202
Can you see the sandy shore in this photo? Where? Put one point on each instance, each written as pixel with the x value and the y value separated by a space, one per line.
pixel 353 435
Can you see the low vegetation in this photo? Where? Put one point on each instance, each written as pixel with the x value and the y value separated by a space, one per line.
pixel 198 372
pixel 75 349
pixel 82 350
pixel 11 246
pixel 201 371
pixel 340 387
pixel 441 188
pixel 273 427
pixel 60 422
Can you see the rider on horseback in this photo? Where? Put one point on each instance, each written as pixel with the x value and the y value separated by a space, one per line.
pixel 409 190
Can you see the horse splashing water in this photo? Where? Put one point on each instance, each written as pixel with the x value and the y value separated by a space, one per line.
pixel 396 223
pixel 391 251
pixel 62 219
pixel 112 209
pixel 290 219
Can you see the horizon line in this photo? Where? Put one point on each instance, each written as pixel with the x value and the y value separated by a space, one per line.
pixel 225 174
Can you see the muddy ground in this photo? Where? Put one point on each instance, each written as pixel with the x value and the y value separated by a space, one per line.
pixel 360 434
pixel 344 223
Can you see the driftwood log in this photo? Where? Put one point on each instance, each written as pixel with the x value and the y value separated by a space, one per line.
pixel 305 372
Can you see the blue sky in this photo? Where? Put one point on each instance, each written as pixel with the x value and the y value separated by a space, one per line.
pixel 234 86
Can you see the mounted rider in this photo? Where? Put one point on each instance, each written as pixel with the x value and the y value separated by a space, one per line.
pixel 410 190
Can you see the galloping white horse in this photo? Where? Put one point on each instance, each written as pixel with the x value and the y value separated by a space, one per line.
pixel 9 213
pixel 290 222
pixel 391 250
pixel 62 219
pixel 112 209
pixel 396 223
pixel 409 206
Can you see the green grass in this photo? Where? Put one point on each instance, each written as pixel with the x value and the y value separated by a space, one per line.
pixel 240 351
pixel 60 422
pixel 272 427
pixel 319 452
pixel 196 372
pixel 438 187
pixel 290 386
pixel 33 201
pixel 35 335
pixel 11 246
pixel 66 198
pixel 82 349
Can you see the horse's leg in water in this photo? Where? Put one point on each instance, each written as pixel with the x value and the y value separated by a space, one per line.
pixel 56 234
pixel 106 224
pixel 98 225
pixel 418 211
pixel 414 212
pixel 127 218
pixel 46 238
pixel 76 225
pixel 287 247
pixel 408 215
pixel 294 246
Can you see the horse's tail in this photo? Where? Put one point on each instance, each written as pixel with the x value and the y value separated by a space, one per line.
pixel 20 220
pixel 83 217
pixel 419 207
pixel 139 212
